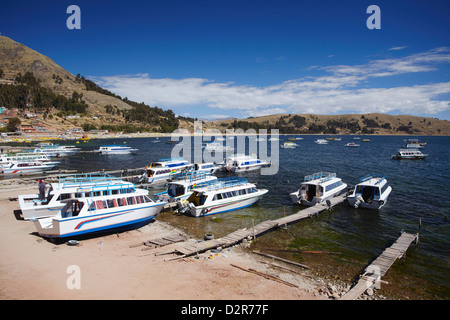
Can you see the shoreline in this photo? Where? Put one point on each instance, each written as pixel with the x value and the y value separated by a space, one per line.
pixel 112 267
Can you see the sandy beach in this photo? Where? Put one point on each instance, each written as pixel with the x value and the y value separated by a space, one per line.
pixel 113 267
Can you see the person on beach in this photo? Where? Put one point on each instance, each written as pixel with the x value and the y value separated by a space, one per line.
pixel 41 190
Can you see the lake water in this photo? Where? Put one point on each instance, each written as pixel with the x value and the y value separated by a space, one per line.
pixel 420 192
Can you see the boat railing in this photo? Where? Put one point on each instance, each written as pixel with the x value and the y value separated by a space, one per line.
pixel 373 176
pixel 222 183
pixel 118 188
pixel 74 180
pixel 322 176
pixel 190 176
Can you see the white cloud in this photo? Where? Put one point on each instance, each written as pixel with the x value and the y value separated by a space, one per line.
pixel 397 48
pixel 336 92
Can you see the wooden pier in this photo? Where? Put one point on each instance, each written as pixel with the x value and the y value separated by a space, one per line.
pixel 257 230
pixel 378 268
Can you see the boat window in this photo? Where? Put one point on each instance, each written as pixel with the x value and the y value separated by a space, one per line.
pixel 121 202
pixel 64 196
pixel 333 186
pixel 359 189
pixel 97 193
pixel 131 200
pixel 175 190
pixel 202 199
pixel 147 199
pixel 383 188
pixel 100 204
pixel 114 191
pixel 92 206
pixel 140 199
pixel 112 203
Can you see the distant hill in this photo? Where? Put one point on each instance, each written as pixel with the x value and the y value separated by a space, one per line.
pixel 371 123
pixel 18 60
pixel 28 77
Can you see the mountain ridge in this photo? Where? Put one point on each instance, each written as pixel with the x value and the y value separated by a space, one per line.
pixel 16 58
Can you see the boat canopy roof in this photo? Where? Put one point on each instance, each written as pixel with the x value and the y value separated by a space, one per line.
pixel 372 180
pixel 221 183
pixel 319 177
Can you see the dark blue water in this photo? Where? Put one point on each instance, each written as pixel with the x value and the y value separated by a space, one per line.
pixel 421 191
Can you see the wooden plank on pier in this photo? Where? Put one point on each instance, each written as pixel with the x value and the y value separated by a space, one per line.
pixel 381 265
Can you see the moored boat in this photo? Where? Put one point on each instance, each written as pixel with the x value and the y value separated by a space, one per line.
pixel 321 141
pixel 114 149
pixel 351 144
pixel 28 167
pixel 371 192
pixel 183 184
pixel 289 145
pixel 318 187
pixel 409 154
pixel 242 163
pixel 222 195
pixel 161 170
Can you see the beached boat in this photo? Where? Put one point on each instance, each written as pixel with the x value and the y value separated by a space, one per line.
pixel 114 149
pixel 289 145
pixel 242 163
pixel 28 167
pixel 321 141
pixel 183 184
pixel 91 215
pixel 351 144
pixel 221 195
pixel 161 171
pixel 371 192
pixel 318 187
pixel 409 154
pixel 73 186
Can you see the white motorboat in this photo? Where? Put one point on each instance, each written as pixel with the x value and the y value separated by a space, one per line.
pixel 371 192
pixel 317 188
pixel 289 145
pixel 163 169
pixel 221 195
pixel 92 215
pixel 351 144
pixel 321 141
pixel 114 149
pixel 208 167
pixel 217 147
pixel 28 167
pixel 183 184
pixel 409 154
pixel 7 160
pixel 242 163
pixel 68 187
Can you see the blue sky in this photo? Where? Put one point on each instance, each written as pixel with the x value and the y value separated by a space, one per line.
pixel 218 59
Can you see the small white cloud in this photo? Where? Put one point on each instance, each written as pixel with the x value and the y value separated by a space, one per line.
pixel 397 48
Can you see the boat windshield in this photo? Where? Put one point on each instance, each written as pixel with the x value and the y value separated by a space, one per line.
pixel 175 190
